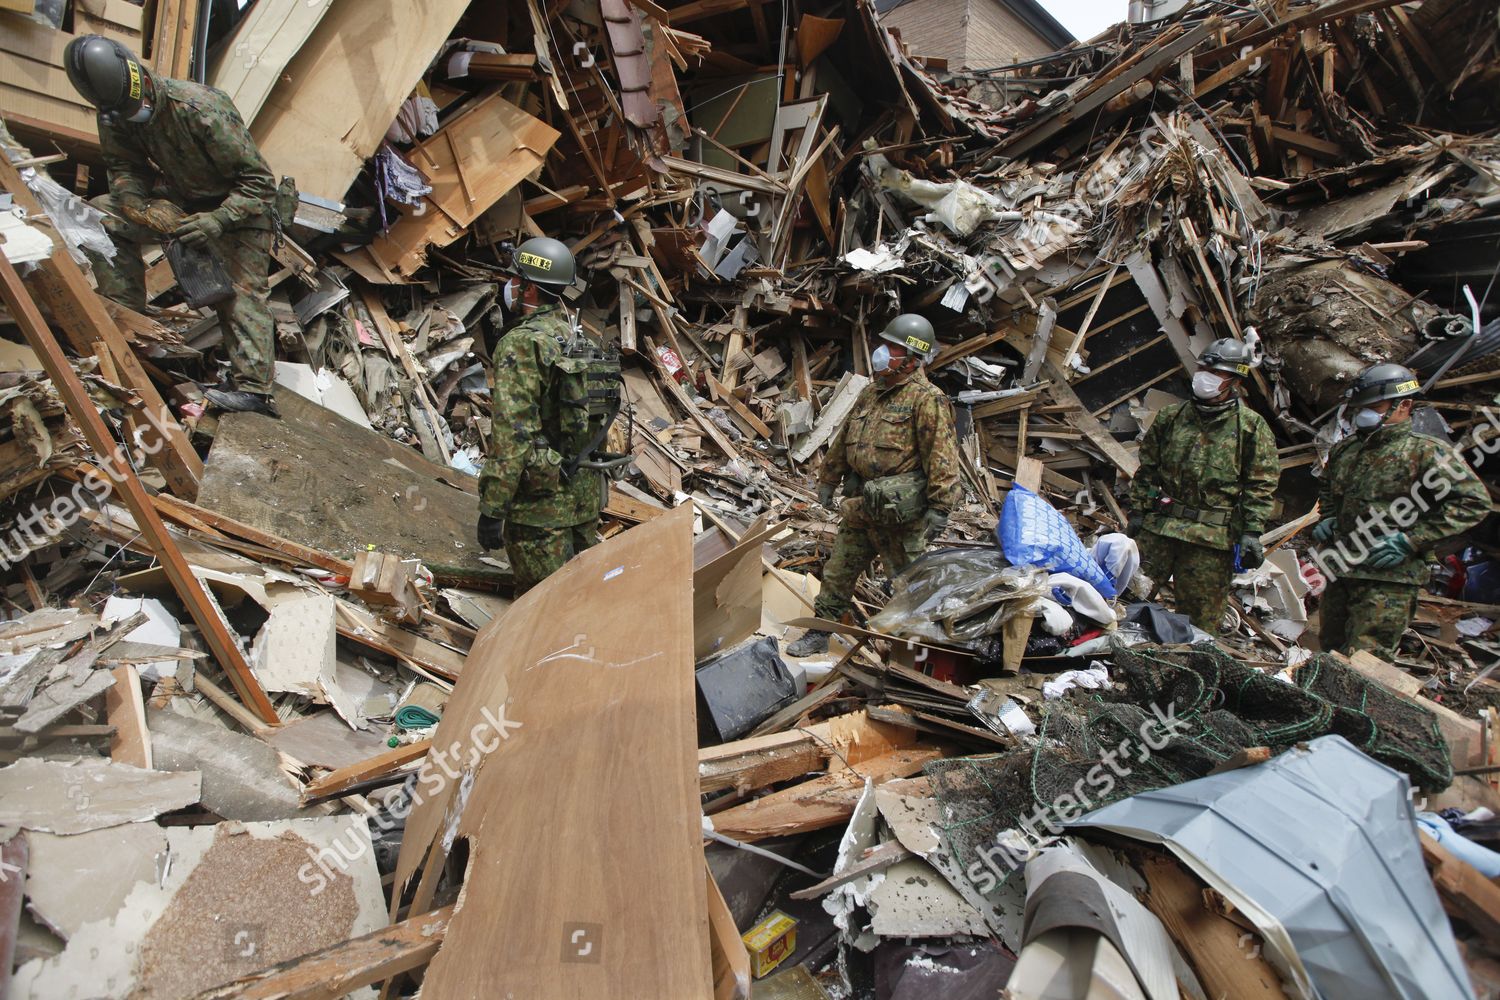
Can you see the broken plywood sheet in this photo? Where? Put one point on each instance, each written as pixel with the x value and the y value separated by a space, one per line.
pixel 234 898
pixel 330 108
pixel 612 628
pixel 88 794
pixel 254 57
pixel 314 478
pixel 75 880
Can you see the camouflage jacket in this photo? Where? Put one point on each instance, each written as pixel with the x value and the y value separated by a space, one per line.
pixel 535 430
pixel 1222 464
pixel 895 429
pixel 200 151
pixel 1396 479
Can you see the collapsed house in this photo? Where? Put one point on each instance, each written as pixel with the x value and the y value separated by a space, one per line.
pixel 273 725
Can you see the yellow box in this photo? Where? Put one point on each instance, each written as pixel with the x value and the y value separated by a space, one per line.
pixel 20 6
pixel 770 942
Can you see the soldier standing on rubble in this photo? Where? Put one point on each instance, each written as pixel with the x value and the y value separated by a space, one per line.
pixel 182 166
pixel 556 393
pixel 897 457
pixel 1380 556
pixel 1207 476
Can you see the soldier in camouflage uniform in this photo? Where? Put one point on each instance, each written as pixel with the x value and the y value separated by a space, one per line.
pixel 1388 495
pixel 182 166
pixel 555 395
pixel 1208 472
pixel 897 457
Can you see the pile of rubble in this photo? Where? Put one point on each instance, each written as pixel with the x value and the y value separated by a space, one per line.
pixel 273 726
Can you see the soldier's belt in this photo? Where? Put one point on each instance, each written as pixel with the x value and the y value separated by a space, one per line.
pixel 1217 518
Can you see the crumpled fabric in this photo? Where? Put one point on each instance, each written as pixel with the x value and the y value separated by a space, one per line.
pixel 1120 556
pixel 956 596
pixel 418 117
pixel 398 181
pixel 1095 678
pixel 1081 596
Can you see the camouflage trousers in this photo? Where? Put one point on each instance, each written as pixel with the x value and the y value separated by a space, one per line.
pixel 1366 614
pixel 1200 576
pixel 854 549
pixel 536 553
pixel 249 331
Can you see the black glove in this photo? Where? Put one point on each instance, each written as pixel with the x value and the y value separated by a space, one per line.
pixel 1133 525
pixel 825 495
pixel 491 532
pixel 1252 552
pixel 934 522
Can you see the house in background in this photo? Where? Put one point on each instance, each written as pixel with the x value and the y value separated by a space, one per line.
pixel 974 34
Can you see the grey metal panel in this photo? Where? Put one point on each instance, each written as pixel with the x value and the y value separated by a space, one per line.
pixel 1324 840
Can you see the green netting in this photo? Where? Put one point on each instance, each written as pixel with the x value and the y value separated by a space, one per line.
pixel 1172 716
pixel 1395 732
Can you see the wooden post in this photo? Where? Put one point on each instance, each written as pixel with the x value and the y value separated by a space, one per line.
pixel 129 489
pixel 80 313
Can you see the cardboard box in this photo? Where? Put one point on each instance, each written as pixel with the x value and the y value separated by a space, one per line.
pixel 770 942
pixel 20 6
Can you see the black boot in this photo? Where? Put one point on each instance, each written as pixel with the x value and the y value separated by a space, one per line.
pixel 813 642
pixel 235 401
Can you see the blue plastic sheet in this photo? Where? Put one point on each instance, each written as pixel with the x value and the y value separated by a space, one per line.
pixel 1032 533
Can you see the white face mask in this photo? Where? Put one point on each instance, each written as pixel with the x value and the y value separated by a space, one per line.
pixel 1368 419
pixel 511 289
pixel 881 358
pixel 1207 385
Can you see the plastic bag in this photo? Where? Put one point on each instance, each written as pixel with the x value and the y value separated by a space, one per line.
pixel 1032 533
pixel 956 596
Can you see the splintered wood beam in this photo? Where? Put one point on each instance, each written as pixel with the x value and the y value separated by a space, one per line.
pixel 80 312
pixel 187 514
pixel 819 803
pixel 342 968
pixel 226 651
pixel 1089 425
pixel 337 782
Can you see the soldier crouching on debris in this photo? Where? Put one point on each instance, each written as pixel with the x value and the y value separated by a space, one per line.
pixel 216 192
pixel 556 394
pixel 1389 493
pixel 897 456
pixel 1204 490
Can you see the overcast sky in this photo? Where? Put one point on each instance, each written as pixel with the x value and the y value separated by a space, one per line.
pixel 1086 18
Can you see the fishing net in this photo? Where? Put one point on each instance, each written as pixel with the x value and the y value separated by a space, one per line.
pixel 1389 728
pixel 1171 716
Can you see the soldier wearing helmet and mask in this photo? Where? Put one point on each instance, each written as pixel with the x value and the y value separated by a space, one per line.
pixel 1388 494
pixel 897 458
pixel 556 392
pixel 1204 491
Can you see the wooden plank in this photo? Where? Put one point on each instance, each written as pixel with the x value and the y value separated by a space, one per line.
pixel 1059 389
pixel 334 783
pixel 731 959
pixel 877 859
pixel 758 761
pixel 1020 143
pixel 1307 143
pixel 130 743
pixel 192 516
pixel 832 417
pixel 360 626
pixel 1465 893
pixel 79 311
pixel 1463 734
pixel 129 490
pixel 345 967
pixel 1213 944
pixel 398 350
pixel 258 51
pixel 723 393
pixel 595 668
pixel 819 803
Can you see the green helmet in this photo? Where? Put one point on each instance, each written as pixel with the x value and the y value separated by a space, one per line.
pixel 914 333
pixel 1384 381
pixel 110 77
pixel 1230 356
pixel 545 261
